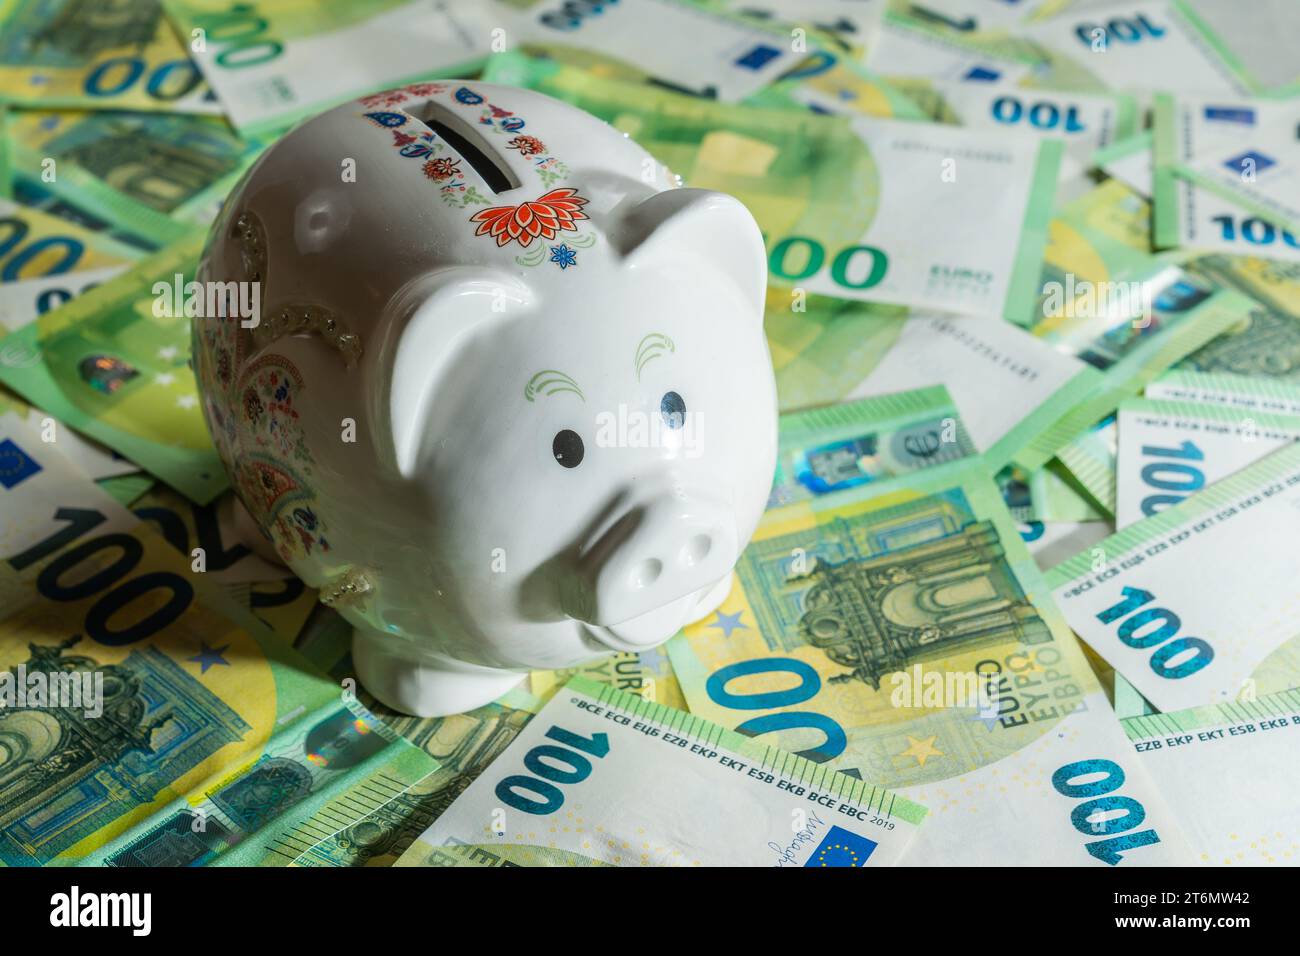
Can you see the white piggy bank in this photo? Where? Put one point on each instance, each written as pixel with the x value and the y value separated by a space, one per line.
pixel 508 402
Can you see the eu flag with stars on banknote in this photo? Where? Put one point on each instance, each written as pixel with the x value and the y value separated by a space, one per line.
pixel 15 464
pixel 842 848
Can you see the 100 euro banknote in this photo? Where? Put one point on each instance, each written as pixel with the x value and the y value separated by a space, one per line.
pixel 603 777
pixel 1229 774
pixel 876 210
pixel 148 721
pixel 113 363
pixel 902 633
pixel 122 56
pixel 1149 599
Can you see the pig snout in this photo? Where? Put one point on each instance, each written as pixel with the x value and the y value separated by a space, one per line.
pixel 643 573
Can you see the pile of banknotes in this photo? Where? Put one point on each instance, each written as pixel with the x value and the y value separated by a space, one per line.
pixel 1027 590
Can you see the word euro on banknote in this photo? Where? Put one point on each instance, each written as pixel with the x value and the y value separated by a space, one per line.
pixel 1150 599
pixel 900 632
pixel 148 721
pixel 604 777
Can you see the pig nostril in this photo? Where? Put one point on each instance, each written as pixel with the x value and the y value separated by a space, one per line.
pixel 696 549
pixel 646 573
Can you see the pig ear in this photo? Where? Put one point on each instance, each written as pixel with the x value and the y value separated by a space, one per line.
pixel 433 317
pixel 695 223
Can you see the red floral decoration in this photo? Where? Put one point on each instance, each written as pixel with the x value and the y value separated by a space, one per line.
pixel 542 218
pixel 527 145
pixel 441 168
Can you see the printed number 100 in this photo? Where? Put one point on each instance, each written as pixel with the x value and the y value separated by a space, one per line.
pixel 1166 626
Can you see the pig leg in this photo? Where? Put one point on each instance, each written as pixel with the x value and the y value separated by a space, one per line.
pixel 424 684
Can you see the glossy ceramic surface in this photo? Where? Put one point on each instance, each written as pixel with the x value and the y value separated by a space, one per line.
pixel 508 404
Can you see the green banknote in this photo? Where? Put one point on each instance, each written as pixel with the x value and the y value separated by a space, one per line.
pixel 35 244
pixel 1229 774
pixel 153 174
pixel 1107 233
pixel 205 535
pixel 1150 599
pixel 147 721
pixel 1112 317
pixel 1242 150
pixel 274 62
pixel 913 44
pixel 1205 221
pixel 902 633
pixel 115 366
pixel 1128 701
pixel 918 214
pixel 209 529
pixel 98 54
pixel 697 48
pixel 385 814
pixel 827 83
pixel 1131 45
pixel 1090 459
pixel 603 777
pixel 125 489
pixel 827 449
pixel 1267 344
pixel 463 746
pixel 90 456
pixel 1170 450
pixel 1252 40
pixel 1239 392
pixel 1126 313
pixel 1049 493
pixel 23 300
pixel 648 675
pixel 1085 122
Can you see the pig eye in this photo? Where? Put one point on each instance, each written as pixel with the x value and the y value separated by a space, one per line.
pixel 673 409
pixel 567 448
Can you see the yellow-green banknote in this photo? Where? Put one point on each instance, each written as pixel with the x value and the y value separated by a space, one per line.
pixel 147 721
pixel 901 633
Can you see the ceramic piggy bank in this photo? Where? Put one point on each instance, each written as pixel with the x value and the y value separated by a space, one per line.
pixel 507 402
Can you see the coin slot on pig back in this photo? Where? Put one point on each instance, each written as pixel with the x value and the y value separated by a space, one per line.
pixel 456 134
